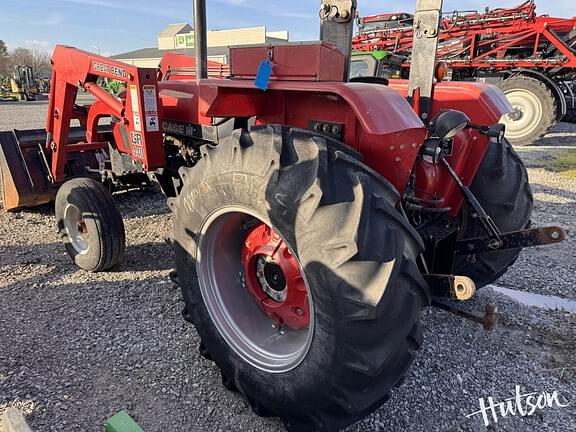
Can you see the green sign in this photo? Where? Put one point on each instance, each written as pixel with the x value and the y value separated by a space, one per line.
pixel 185 40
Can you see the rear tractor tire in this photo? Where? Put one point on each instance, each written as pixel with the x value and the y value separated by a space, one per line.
pixel 535 110
pixel 299 275
pixel 503 189
pixel 90 224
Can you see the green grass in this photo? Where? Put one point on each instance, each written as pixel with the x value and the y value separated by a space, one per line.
pixel 564 164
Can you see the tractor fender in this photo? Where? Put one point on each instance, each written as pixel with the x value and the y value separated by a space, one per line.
pixel 485 104
pixel 550 83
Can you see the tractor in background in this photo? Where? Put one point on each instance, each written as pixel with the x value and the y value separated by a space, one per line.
pixel 380 64
pixel 23 84
pixel 314 217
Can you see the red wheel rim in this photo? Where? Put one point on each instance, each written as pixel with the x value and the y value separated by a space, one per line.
pixel 274 279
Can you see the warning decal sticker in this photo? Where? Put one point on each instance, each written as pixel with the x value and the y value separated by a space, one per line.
pixel 151 108
pixel 135 108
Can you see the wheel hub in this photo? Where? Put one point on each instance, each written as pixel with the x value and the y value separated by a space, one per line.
pixel 527 114
pixel 76 228
pixel 273 277
pixel 273 336
pixel 517 114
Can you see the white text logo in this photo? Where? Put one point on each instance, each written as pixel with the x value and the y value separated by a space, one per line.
pixel 523 405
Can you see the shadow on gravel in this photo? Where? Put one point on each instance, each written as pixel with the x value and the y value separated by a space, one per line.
pixel 103 345
pixel 141 203
pixel 147 257
pixel 140 257
pixel 44 210
pixel 561 193
pixel 132 204
pixel 569 140
pixel 49 254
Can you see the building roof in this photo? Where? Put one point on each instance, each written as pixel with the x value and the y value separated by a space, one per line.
pixel 147 53
pixel 174 29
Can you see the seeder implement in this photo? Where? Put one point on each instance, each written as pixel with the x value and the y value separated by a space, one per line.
pixel 531 57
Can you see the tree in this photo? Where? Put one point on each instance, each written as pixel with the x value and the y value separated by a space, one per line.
pixel 3 49
pixel 38 59
pixel 4 62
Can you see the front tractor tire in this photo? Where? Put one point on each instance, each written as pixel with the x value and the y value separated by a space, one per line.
pixel 535 109
pixel 90 224
pixel 323 227
pixel 503 189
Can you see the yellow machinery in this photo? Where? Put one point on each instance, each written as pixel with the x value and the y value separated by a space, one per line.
pixel 23 84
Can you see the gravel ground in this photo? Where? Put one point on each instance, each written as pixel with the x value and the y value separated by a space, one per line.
pixel 75 347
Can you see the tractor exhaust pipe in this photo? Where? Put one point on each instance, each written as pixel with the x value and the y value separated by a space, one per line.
pixel 200 39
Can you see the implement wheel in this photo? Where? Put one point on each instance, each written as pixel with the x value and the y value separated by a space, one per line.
pixel 534 110
pixel 299 275
pixel 90 224
pixel 503 189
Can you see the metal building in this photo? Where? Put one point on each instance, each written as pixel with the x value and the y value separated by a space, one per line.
pixel 180 38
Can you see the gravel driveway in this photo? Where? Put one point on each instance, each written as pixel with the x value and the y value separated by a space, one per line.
pixel 75 347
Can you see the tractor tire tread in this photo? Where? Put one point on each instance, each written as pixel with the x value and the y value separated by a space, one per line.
pixel 348 213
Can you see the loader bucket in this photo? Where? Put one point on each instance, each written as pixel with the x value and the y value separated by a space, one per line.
pixel 25 175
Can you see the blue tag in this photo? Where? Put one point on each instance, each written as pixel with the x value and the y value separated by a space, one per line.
pixel 263 75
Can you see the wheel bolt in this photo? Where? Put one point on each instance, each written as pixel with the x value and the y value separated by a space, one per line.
pixel 299 311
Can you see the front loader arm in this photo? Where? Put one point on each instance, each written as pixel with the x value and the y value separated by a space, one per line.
pixel 136 117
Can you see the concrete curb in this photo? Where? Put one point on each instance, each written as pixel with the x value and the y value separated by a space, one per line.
pixel 13 421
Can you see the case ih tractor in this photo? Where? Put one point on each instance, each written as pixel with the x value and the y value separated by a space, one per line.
pixel 531 58
pixel 314 217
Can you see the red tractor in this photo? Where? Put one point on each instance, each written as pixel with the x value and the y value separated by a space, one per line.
pixel 314 217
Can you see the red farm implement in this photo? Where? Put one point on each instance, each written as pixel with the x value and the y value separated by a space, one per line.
pixel 315 217
pixel 532 58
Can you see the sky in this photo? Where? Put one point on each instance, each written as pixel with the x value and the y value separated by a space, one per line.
pixel 116 26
